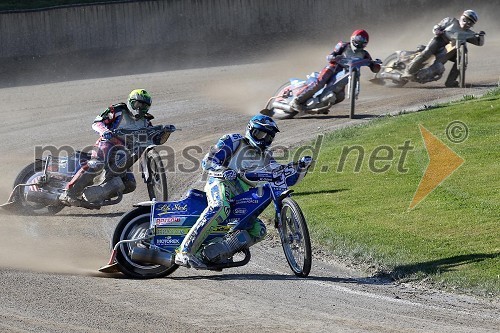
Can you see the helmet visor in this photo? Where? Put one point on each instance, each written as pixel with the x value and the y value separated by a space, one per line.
pixel 262 136
pixel 466 22
pixel 359 42
pixel 140 106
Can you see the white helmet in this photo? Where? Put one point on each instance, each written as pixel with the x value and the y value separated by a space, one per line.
pixel 468 18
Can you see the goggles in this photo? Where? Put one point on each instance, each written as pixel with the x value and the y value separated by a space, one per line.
pixel 261 136
pixel 140 106
pixel 466 22
pixel 359 42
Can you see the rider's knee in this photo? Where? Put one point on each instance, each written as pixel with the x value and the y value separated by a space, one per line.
pixel 258 231
pixel 129 182
pixel 95 165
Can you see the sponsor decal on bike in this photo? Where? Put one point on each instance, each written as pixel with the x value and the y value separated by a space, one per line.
pixel 233 221
pixel 167 220
pixel 169 208
pixel 220 228
pixel 171 231
pixel 167 241
pixel 246 201
pixel 240 211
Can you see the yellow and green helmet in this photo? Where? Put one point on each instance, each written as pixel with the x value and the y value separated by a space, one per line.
pixel 139 101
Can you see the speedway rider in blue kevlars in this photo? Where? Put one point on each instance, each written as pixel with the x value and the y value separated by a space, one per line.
pixel 232 153
pixel 437 45
pixel 133 115
pixel 354 48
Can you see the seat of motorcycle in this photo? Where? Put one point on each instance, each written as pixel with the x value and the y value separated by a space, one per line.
pixel 420 48
pixel 195 193
pixel 83 155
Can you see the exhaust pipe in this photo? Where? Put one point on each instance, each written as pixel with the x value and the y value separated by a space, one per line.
pixel 101 192
pixel 45 198
pixel 152 256
pixel 391 76
pixel 282 106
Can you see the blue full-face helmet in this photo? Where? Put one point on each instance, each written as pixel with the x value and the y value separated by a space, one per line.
pixel 261 131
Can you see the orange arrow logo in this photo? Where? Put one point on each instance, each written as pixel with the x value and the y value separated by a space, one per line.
pixel 442 163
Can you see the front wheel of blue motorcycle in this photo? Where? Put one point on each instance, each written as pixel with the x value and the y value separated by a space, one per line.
pixel 294 236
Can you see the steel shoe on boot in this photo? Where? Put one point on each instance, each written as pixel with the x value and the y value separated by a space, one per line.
pixel 70 199
pixel 189 260
pixel 296 106
pixel 452 84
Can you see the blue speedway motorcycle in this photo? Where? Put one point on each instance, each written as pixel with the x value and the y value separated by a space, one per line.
pixel 145 239
pixel 279 105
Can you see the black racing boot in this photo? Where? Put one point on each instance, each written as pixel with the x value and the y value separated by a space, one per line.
pixel 451 80
pixel 73 195
pixel 415 65
pixel 296 106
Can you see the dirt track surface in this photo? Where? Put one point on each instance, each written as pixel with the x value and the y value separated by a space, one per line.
pixel 48 265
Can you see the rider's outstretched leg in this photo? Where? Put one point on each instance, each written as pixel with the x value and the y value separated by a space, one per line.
pixel 216 211
pixel 73 193
pixel 297 104
pixel 451 81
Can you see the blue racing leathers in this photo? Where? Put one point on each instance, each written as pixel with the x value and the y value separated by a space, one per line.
pixel 232 151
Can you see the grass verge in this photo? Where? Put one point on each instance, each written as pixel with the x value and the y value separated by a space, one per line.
pixel 359 207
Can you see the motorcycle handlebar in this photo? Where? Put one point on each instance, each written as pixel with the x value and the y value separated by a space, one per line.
pixel 303 163
pixel 347 62
pixel 156 134
pixel 152 129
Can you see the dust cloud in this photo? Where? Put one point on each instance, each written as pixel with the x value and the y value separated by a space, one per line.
pixel 51 244
pixel 298 58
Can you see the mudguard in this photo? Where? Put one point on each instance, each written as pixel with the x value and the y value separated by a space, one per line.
pixel 143 164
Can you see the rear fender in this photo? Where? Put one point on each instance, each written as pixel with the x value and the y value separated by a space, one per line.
pixel 144 165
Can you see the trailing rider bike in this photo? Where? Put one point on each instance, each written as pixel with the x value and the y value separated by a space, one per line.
pixel 131 115
pixel 354 48
pixel 437 44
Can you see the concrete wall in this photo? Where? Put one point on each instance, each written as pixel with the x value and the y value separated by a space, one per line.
pixel 136 24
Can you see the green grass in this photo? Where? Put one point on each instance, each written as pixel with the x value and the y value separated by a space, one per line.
pixel 452 237
pixel 37 4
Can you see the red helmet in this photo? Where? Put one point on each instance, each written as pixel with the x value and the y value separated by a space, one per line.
pixel 359 39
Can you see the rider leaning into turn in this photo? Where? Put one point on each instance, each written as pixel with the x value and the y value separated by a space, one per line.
pixel 437 44
pixel 133 115
pixel 354 48
pixel 232 152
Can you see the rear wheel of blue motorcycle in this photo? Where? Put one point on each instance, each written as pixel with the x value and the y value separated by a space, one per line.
pixel 294 236
pixel 132 225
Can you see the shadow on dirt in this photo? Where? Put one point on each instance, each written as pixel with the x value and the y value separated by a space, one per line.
pixel 435 87
pixel 278 277
pixel 90 214
pixel 319 192
pixel 117 214
pixel 340 116
pixel 437 266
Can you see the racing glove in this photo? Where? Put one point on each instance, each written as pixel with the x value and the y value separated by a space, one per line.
pixel 305 161
pixel 107 135
pixel 438 30
pixel 229 174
